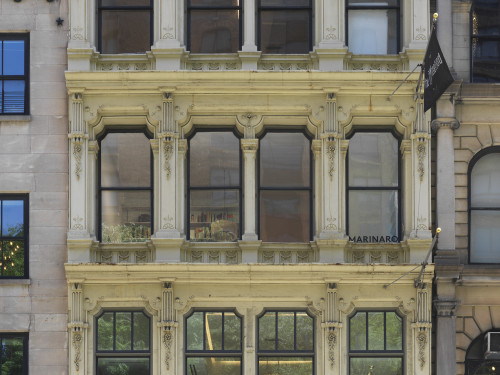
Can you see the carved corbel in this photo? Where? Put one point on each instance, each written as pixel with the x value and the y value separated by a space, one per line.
pixel 250 122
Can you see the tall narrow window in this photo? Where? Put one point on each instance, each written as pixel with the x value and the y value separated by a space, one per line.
pixel 214 26
pixel 285 343
pixel 126 187
pixel 14 234
pixel 13 353
pixel 285 26
pixel 125 26
pixel 373 26
pixel 14 73
pixel 485 41
pixel 376 343
pixel 214 186
pixel 373 192
pixel 285 187
pixel 213 343
pixel 484 211
pixel 123 343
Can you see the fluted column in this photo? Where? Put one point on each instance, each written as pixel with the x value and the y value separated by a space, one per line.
pixel 249 148
pixel 167 331
pixel 77 330
pixel 331 328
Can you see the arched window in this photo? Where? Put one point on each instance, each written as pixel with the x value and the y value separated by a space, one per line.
pixel 485 41
pixel 480 358
pixel 484 207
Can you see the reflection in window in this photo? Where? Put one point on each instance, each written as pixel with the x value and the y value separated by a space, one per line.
pixel 125 187
pixel 376 343
pixel 214 186
pixel 286 343
pixel 14 69
pixel 285 26
pixel 484 212
pixel 476 358
pixel 213 343
pixel 123 343
pixel 285 187
pixel 14 235
pixel 485 41
pixel 125 26
pixel 373 26
pixel 14 353
pixel 214 26
pixel 373 187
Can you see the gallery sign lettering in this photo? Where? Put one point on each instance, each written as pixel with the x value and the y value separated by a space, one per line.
pixel 374 239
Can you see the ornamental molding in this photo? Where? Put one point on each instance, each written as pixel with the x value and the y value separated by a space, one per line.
pixel 94 306
pixel 77 344
pixel 445 308
pixel 421 153
pixel 331 148
pixel 422 342
pixel 167 342
pixel 332 342
pixel 445 122
pixel 168 151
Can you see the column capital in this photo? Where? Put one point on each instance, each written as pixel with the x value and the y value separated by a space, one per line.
pixel 445 122
pixel 249 145
pixel 445 308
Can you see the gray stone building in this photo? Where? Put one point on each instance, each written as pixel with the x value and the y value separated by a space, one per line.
pixel 33 187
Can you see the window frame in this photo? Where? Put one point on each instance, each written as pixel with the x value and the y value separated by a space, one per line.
pixel 375 7
pixel 260 8
pixel 213 353
pixel 100 189
pixel 480 37
pixel 25 238
pixel 310 189
pixel 377 353
pixel 477 157
pixel 190 8
pixel 25 77
pixel 285 353
pixel 131 8
pixel 208 187
pixel 377 188
pixel 122 353
pixel 25 338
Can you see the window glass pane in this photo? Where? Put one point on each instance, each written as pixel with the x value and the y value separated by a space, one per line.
pixel 105 331
pixel 267 331
pixel 485 181
pixel 123 331
pixel 373 3
pixel 214 215
pixel 232 332
pixel 486 19
pixel 219 3
pixel 125 31
pixel 213 331
pixel 284 31
pixel 373 213
pixel 1 57
pixel 214 365
pixel 214 31
pixel 372 31
pixel 376 366
pixel 357 331
pixel 141 331
pixel 12 224
pixel 485 236
pixel 123 366
pixel 285 3
pixel 376 331
pixel 286 365
pixel 194 331
pixel 12 356
pixel 286 331
pixel 214 159
pixel 284 216
pixel 285 160
pixel 373 160
pixel 126 216
pixel 12 261
pixel 13 57
pixel 122 3
pixel 125 160
pixel 13 96
pixel 304 332
pixel 394 333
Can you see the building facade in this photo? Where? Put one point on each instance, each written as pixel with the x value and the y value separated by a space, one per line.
pixel 466 125
pixel 33 187
pixel 248 191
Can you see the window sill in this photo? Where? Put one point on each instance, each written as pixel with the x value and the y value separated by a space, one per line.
pixel 15 118
pixel 15 282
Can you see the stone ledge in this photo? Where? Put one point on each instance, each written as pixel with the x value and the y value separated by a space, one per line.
pixel 15 282
pixel 15 118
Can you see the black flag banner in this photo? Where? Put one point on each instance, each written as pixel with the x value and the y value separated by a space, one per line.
pixel 436 71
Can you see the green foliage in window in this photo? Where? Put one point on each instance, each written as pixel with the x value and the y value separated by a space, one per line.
pixel 12 356
pixel 125 233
